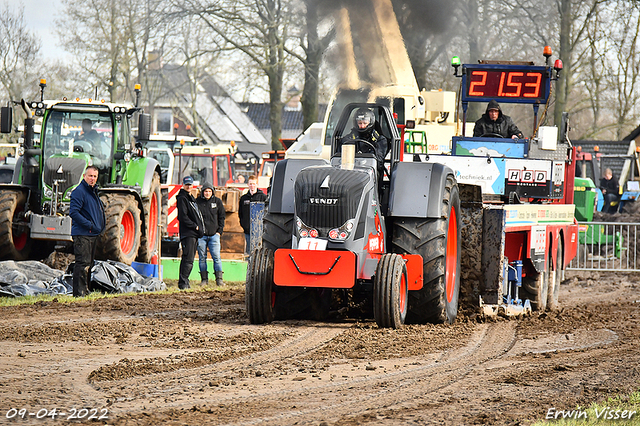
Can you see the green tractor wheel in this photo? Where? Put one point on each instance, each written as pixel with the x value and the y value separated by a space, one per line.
pixel 152 214
pixel 121 238
pixel 15 243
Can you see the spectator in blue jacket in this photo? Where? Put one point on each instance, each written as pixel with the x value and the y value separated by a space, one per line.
pixel 87 223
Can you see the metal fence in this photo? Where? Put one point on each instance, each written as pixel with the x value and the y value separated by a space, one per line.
pixel 607 246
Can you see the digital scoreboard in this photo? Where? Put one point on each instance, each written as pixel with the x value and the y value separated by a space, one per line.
pixel 511 83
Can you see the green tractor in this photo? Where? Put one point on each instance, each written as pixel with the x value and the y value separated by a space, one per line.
pixel 594 236
pixel 34 207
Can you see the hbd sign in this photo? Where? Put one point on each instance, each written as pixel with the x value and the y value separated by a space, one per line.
pixel 527 176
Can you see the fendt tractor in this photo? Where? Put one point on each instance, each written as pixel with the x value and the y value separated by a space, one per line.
pixel 34 217
pixel 491 220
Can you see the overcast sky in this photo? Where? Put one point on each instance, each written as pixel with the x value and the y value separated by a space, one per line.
pixel 40 16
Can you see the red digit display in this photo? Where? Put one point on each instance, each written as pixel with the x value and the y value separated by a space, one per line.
pixel 481 83
pixel 514 84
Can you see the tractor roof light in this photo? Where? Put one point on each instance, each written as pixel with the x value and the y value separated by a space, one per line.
pixel 547 52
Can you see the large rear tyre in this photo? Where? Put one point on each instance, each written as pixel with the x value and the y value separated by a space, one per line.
pixel 259 290
pixel 438 242
pixel 15 242
pixel 390 292
pixel 534 288
pixel 121 238
pixel 152 213
pixel 555 278
pixel 277 230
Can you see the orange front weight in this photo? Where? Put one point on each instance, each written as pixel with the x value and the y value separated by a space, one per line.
pixel 314 268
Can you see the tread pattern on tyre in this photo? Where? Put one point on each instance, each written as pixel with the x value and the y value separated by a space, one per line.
pixel 428 238
pixel 292 302
pixel 146 252
pixel 277 230
pixel 109 244
pixel 259 286
pixel 534 288
pixel 9 200
pixel 553 290
pixel 386 288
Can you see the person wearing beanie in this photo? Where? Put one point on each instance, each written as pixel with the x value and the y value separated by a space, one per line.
pixel 494 123
pixel 213 214
pixel 191 228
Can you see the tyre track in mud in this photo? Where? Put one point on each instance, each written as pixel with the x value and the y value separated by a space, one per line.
pixel 490 342
pixel 413 381
pixel 145 389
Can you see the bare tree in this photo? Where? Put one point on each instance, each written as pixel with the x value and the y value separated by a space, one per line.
pixel 313 46
pixel 112 40
pixel 260 30
pixel 18 54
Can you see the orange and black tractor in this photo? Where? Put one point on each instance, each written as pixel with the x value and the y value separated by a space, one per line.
pixel 359 231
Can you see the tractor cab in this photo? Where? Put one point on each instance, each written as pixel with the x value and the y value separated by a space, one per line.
pixel 378 148
pixel 85 135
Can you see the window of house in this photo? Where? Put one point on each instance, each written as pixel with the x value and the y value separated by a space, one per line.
pixel 164 121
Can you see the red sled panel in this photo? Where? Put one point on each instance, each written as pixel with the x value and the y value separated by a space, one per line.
pixel 314 268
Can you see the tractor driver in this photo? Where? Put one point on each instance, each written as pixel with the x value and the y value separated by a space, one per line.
pixel 99 148
pixel 494 123
pixel 364 131
pixel 88 133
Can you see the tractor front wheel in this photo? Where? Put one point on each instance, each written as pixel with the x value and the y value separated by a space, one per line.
pixel 121 238
pixel 152 213
pixel 15 242
pixel 259 290
pixel 390 291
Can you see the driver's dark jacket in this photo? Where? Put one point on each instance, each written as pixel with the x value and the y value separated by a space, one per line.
pixel 378 140
pixel 503 126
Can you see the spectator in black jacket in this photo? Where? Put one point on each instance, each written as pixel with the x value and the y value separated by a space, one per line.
pixel 494 122
pixel 244 212
pixel 191 228
pixel 213 214
pixel 610 192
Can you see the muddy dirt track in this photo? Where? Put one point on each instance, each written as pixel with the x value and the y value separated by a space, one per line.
pixel 193 359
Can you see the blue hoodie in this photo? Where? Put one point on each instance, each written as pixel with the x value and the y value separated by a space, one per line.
pixel 86 211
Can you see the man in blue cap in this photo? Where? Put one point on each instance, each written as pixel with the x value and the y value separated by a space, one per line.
pixel 191 228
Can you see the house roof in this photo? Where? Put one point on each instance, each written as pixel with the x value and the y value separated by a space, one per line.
pixel 217 114
pixel 615 148
pixel 291 119
pixel 634 134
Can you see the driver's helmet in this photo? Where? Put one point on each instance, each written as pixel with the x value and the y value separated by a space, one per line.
pixel 364 120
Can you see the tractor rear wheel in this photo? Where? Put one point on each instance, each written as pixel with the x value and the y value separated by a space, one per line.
pixel 555 278
pixel 438 242
pixel 259 290
pixel 535 288
pixel 152 214
pixel 121 238
pixel 15 242
pixel 390 291
pixel 277 230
